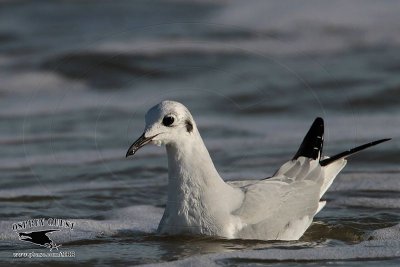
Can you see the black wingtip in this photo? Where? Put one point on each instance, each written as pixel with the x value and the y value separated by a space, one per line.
pixel 312 144
pixel 352 151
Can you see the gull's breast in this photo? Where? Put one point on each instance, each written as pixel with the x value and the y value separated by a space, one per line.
pixel 198 221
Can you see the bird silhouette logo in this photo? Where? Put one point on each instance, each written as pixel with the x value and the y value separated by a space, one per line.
pixel 39 238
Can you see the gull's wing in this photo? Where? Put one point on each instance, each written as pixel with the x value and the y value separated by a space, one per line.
pixel 312 144
pixel 275 211
pixel 310 148
pixel 345 154
pixel 283 206
pixel 305 163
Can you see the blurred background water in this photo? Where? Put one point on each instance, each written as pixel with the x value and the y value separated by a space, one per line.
pixel 76 78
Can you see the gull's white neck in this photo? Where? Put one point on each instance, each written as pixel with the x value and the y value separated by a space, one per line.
pixel 199 201
pixel 190 163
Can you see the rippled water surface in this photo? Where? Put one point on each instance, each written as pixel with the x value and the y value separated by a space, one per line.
pixel 78 76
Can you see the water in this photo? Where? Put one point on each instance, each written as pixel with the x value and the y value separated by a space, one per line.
pixel 78 76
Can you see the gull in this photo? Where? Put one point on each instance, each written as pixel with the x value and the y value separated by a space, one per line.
pixel 200 202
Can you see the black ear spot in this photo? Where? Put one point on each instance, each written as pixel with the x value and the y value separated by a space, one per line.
pixel 189 126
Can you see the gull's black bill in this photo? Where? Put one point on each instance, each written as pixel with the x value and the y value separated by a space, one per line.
pixel 141 141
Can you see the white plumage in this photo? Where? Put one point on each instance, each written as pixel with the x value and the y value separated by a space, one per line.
pixel 200 202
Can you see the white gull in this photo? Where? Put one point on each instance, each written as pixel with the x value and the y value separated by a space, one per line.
pixel 200 202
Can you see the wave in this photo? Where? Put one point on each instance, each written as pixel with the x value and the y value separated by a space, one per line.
pixel 142 219
pixel 383 251
pixel 140 223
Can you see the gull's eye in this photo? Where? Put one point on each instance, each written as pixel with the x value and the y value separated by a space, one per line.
pixel 168 120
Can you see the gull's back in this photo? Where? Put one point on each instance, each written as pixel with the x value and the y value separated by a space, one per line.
pixel 282 207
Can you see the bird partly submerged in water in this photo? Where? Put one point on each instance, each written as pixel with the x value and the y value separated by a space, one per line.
pixel 200 202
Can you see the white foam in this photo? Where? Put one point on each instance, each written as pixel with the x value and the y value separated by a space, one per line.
pixel 389 233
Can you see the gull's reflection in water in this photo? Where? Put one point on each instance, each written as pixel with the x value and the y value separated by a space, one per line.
pixel 179 247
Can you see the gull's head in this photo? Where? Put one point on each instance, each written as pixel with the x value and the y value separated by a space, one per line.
pixel 166 123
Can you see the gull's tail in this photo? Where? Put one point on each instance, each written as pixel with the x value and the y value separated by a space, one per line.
pixel 312 145
pixel 311 148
